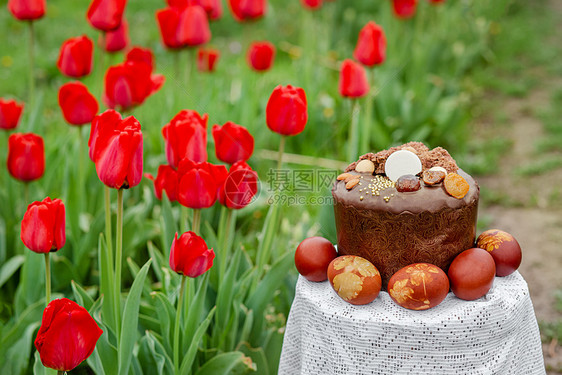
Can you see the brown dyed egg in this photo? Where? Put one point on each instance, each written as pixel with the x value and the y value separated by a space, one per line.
pixel 504 248
pixel 419 286
pixel 354 279
pixel 312 257
pixel 472 274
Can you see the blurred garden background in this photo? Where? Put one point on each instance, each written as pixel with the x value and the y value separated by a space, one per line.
pixel 480 78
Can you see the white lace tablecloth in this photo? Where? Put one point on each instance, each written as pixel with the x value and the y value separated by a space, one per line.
pixel 496 334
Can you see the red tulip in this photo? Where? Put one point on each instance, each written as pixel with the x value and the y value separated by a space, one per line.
pixel 286 110
pixel 26 156
pixel 195 26
pixel 10 112
pixel 43 226
pixel 261 55
pixel 245 10
pixel 207 59
pixel 78 105
pixel 129 84
pixel 140 54
pixel 169 24
pixel 116 149
pixel 166 180
pixel 232 143
pixel 27 10
pixel 353 80
pixel 213 8
pixel 371 45
pixel 404 8
pixel 67 336
pixel 186 137
pixel 75 57
pixel 116 40
pixel 181 27
pixel 190 256
pixel 312 4
pixel 106 15
pixel 240 186
pixel 199 183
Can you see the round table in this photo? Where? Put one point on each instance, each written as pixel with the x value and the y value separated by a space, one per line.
pixel 496 334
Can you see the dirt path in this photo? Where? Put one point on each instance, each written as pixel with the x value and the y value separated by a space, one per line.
pixel 531 214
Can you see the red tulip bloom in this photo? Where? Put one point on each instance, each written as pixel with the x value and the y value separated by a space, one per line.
pixel 27 10
pixel 261 55
pixel 213 8
pixel 371 45
pixel 43 226
pixel 240 186
pixel 75 57
pixel 169 24
pixel 67 336
pixel 207 59
pixel 286 110
pixel 116 149
pixel 140 54
pixel 232 143
pixel 78 105
pixel 246 10
pixel 404 8
pixel 26 156
pixel 353 80
pixel 166 180
pixel 186 137
pixel 116 40
pixel 10 112
pixel 106 15
pixel 195 26
pixel 190 256
pixel 181 27
pixel 129 84
pixel 199 183
pixel 312 4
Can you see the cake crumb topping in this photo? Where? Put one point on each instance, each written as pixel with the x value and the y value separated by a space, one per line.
pixel 429 158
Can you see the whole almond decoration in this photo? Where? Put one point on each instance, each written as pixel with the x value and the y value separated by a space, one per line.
pixel 365 166
pixel 344 176
pixel 351 183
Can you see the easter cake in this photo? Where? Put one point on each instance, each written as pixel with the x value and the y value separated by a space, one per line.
pixel 405 205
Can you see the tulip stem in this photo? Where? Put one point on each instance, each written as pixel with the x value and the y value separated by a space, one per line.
pixel 196 224
pixel 108 231
pixel 25 195
pixel 47 278
pixel 118 258
pixel 366 125
pixel 353 131
pixel 176 57
pixel 225 245
pixel 183 219
pixel 81 151
pixel 61 372
pixel 280 153
pixel 31 63
pixel 177 327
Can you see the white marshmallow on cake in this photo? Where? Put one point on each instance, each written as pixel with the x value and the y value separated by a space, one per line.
pixel 400 163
